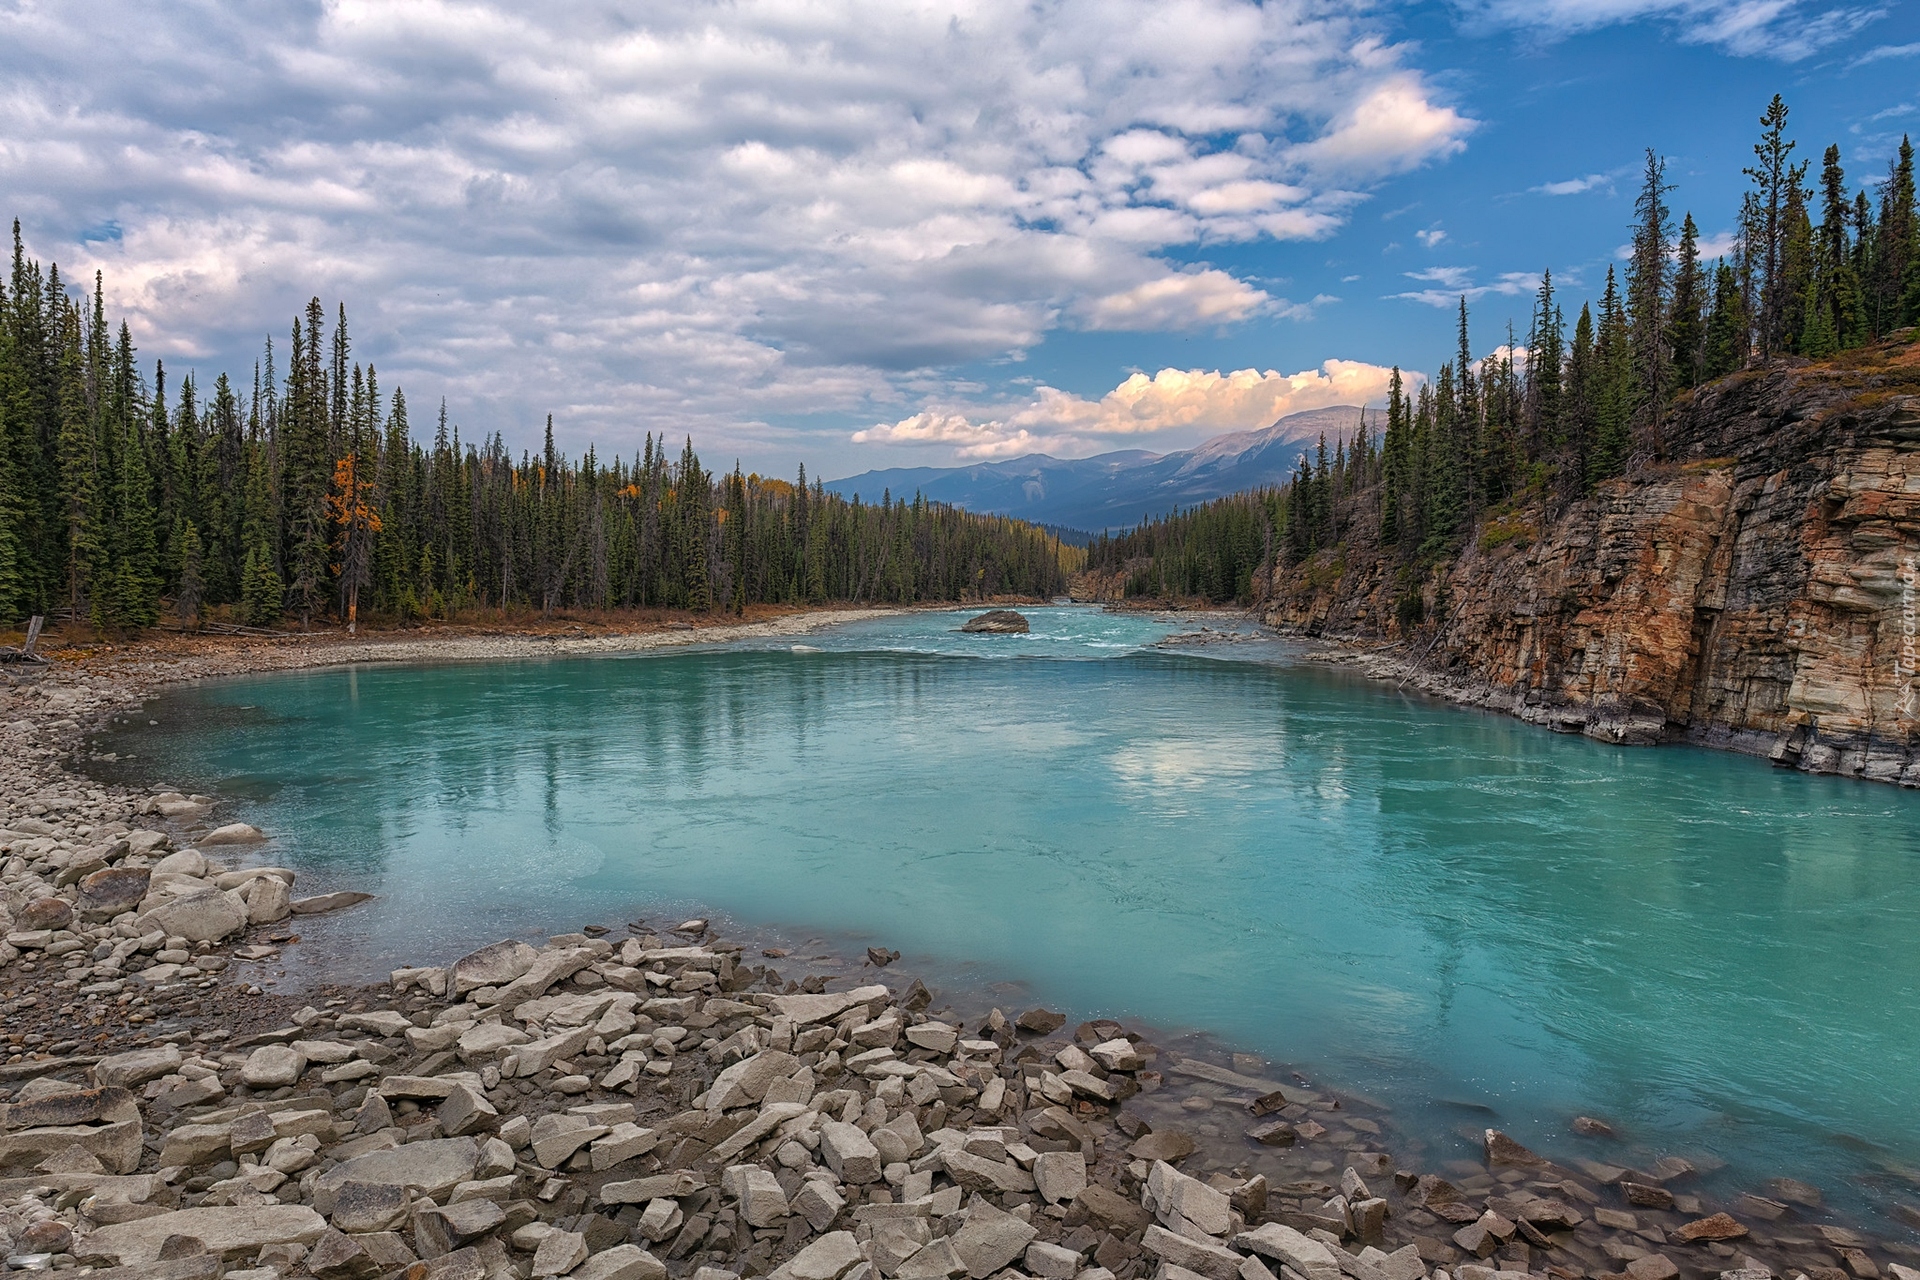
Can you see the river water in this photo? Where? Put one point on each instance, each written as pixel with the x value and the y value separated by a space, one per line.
pixel 1470 920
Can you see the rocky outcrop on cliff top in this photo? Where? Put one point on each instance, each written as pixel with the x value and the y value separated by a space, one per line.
pixel 1756 591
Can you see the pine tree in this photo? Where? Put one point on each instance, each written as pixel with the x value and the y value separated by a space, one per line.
pixel 1546 354
pixel 1772 178
pixel 1647 297
pixel 1725 348
pixel 1687 327
pixel 1894 254
pixel 187 596
pixel 1838 298
pixel 1582 414
pixel 1614 388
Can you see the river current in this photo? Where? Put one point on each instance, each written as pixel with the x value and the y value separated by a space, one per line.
pixel 1470 920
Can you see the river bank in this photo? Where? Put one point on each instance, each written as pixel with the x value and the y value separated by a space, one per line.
pixel 553 1111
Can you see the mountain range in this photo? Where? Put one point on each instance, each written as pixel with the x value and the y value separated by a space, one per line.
pixel 1114 491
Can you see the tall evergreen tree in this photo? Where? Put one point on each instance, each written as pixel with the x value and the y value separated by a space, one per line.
pixel 1647 299
pixel 1687 325
pixel 1773 179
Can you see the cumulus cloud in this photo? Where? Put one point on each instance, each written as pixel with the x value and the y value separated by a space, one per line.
pixel 1787 30
pixel 1186 404
pixel 690 216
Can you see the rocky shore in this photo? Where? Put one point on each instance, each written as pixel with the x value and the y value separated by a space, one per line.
pixel 662 1103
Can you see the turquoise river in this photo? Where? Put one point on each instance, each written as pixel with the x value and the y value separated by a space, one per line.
pixel 1468 919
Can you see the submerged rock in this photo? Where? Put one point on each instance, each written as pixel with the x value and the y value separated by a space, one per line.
pixel 997 622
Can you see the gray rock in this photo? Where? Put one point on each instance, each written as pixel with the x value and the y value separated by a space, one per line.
pixel 991 1239
pixel 465 1111
pixel 762 1202
pixel 622 1262
pixel 818 1203
pixel 234 833
pixel 978 1173
pixel 1059 1176
pixel 894 1240
pixel 996 622
pixel 828 1258
pixel 321 903
pixel 360 1207
pixel 106 894
pixel 206 915
pixel 492 966
pixel 338 1256
pixel 138 1067
pixel 547 969
pixel 745 1082
pixel 231 1232
pixel 1170 1192
pixel 558 1253
pixel 1214 1261
pixel 273 1066
pixel 849 1153
pixel 1052 1261
pixel 44 913
pixel 268 900
pixel 557 1135
pixel 434 1166
pixel 440 1231
pixel 1285 1245
pixel 937 1261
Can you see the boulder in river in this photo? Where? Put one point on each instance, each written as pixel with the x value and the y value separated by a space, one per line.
pixel 997 622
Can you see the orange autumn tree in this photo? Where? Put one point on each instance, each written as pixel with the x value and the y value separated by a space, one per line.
pixel 351 505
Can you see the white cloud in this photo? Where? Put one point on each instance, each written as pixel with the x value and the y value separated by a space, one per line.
pixel 1787 30
pixel 1187 403
pixel 1720 246
pixel 1575 186
pixel 685 216
pixel 1430 238
pixel 1885 51
pixel 1456 283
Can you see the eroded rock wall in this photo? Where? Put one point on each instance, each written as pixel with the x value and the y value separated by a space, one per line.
pixel 1756 591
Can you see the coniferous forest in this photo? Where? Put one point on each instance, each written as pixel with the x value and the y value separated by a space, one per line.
pixel 125 499
pixel 1816 269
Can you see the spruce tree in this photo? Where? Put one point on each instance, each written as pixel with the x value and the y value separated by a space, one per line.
pixel 1687 326
pixel 1614 388
pixel 1894 254
pixel 1647 298
pixel 1838 289
pixel 1725 348
pixel 1546 353
pixel 188 595
pixel 1772 176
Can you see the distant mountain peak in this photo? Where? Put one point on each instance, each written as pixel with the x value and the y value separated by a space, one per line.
pixel 1117 490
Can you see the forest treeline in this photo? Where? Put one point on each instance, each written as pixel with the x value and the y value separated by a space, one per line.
pixel 1814 270
pixel 121 500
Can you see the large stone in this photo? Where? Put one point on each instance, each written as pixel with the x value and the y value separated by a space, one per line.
pixel 466 1111
pixel 804 1009
pixel 338 1256
pixel 1719 1226
pixel 434 1166
pixel 991 1239
pixel 978 1173
pixel 191 1144
pixel 762 1202
pixel 936 1261
pixel 558 1253
pixel 232 1232
pixel 745 1082
pixel 1111 1209
pixel 268 900
pixel 1285 1245
pixel 44 913
pixel 622 1262
pixel 321 903
pixel 557 1135
pixel 1214 1261
pixel 1502 1150
pixel 206 915
pixel 68 1106
pixel 548 968
pixel 116 1146
pixel 996 622
pixel 492 966
pixel 1060 1175
pixel 182 862
pixel 360 1207
pixel 440 1231
pixel 106 894
pixel 828 1258
pixel 849 1153
pixel 273 1066
pixel 139 1066
pixel 1162 1144
pixel 234 833
pixel 1173 1195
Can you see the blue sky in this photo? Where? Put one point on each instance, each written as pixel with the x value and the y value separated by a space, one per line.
pixel 864 235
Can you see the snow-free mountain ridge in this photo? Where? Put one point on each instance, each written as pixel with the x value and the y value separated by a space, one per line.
pixel 1114 491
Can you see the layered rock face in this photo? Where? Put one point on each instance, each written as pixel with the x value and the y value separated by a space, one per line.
pixel 1755 591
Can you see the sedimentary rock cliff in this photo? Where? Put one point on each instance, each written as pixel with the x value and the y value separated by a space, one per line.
pixel 1755 591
